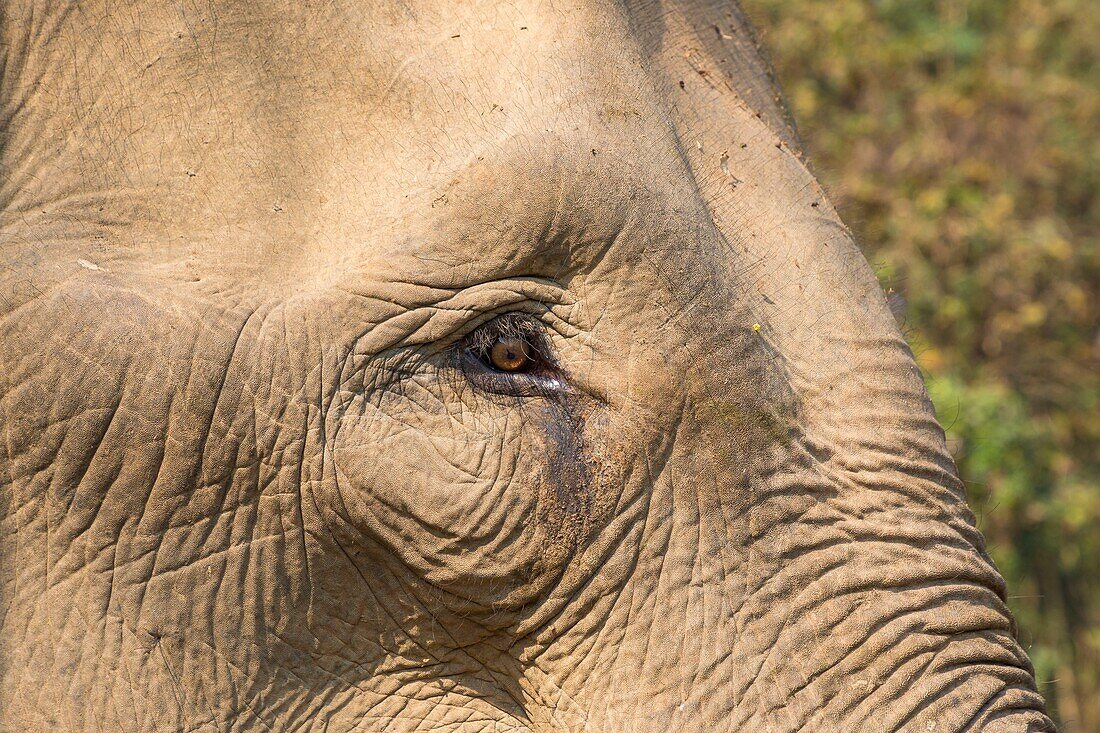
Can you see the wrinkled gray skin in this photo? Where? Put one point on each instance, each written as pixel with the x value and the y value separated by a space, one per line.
pixel 255 481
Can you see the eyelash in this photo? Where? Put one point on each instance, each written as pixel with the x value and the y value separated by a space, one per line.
pixel 482 339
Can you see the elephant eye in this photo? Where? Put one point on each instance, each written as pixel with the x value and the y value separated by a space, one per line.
pixel 510 354
pixel 512 344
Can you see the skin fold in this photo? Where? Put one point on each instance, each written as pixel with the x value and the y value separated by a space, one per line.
pixel 257 475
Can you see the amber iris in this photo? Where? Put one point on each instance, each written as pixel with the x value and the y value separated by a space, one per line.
pixel 510 354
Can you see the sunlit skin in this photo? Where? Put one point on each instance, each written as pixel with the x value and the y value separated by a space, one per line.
pixel 456 366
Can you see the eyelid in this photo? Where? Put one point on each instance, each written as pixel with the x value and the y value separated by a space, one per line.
pixel 452 319
pixel 437 326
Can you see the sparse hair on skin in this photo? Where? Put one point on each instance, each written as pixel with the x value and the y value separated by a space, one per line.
pixel 517 325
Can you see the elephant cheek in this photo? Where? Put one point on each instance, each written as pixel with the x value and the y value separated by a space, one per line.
pixel 489 512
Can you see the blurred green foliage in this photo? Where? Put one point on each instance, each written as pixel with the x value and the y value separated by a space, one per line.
pixel 961 139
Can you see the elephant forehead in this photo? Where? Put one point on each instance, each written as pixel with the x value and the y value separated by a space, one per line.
pixel 234 133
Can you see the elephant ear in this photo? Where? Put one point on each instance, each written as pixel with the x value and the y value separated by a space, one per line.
pixel 720 47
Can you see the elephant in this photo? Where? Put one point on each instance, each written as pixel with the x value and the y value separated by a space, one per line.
pixel 457 366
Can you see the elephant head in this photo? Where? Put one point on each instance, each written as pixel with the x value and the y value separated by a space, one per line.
pixel 458 366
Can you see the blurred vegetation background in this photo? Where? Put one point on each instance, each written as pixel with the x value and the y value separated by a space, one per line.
pixel 961 140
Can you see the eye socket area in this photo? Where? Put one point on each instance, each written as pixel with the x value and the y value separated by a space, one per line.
pixel 510 355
